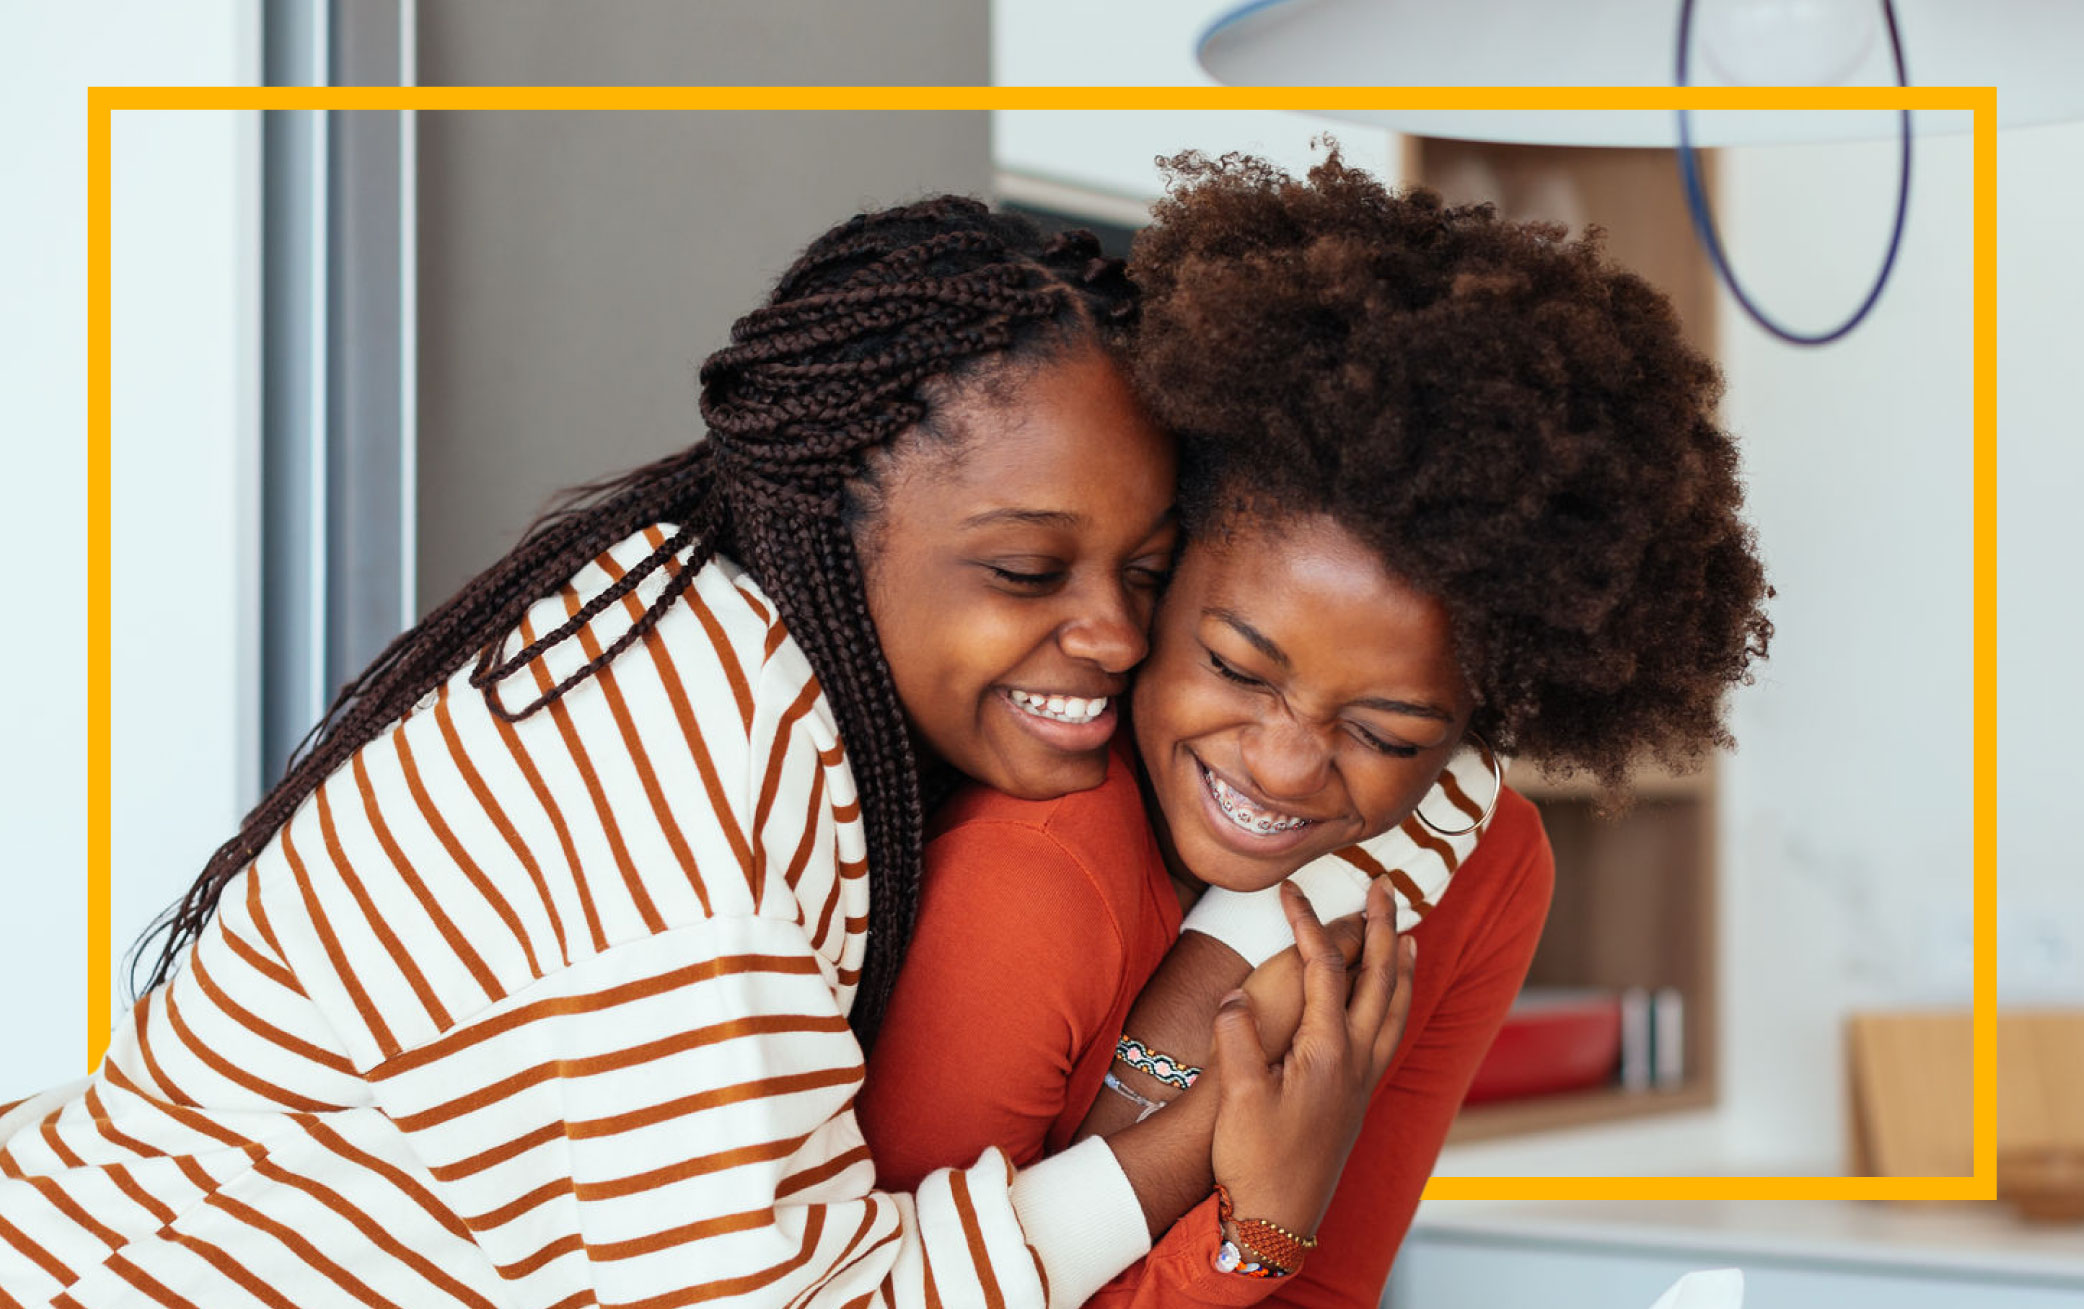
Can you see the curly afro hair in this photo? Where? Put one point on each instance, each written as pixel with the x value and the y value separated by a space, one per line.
pixel 1511 421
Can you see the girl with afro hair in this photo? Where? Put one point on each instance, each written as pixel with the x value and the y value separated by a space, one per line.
pixel 1453 489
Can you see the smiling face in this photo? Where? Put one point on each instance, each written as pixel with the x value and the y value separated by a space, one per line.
pixel 1011 573
pixel 1299 698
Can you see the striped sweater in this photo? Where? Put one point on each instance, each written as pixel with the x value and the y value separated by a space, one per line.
pixel 551 1013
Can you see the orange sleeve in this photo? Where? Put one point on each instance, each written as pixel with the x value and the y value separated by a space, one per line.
pixel 1013 967
pixel 1413 1108
pixel 1181 1270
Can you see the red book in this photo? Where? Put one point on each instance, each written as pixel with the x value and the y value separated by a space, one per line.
pixel 1554 1039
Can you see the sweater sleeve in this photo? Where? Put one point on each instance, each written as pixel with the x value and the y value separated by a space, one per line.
pixel 1254 924
pixel 1407 1121
pixel 655 1105
pixel 1014 963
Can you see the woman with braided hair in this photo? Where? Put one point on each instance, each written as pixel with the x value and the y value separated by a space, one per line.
pixel 544 976
pixel 1451 485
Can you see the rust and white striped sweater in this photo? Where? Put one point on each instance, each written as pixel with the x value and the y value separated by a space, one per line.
pixel 542 1014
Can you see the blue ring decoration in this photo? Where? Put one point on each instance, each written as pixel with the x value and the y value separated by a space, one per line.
pixel 1704 220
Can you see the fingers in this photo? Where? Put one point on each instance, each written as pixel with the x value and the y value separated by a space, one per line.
pixel 1391 1033
pixel 1241 1068
pixel 1310 937
pixel 1348 933
pixel 1324 970
pixel 1378 984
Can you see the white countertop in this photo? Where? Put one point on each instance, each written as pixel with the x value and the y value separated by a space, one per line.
pixel 1959 1238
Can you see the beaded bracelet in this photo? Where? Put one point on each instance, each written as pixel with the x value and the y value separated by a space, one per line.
pixel 1229 1259
pixel 1275 1245
pixel 1156 1063
pixel 1145 1106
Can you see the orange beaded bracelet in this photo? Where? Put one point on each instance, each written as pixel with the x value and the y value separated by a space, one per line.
pixel 1274 1244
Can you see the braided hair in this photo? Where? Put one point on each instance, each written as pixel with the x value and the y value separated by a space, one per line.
pixel 839 363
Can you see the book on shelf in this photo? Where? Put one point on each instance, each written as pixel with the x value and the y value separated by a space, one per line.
pixel 1561 1039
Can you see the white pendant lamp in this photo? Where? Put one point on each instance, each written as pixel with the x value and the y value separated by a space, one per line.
pixel 2032 51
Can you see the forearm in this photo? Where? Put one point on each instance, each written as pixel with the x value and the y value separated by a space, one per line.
pixel 1174 1014
pixel 1166 1156
pixel 1177 1010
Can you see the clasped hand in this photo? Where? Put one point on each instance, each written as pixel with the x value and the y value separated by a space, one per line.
pixel 1288 1111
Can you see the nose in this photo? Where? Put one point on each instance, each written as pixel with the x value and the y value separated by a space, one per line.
pixel 1286 759
pixel 1108 626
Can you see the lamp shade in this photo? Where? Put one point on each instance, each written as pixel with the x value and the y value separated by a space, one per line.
pixel 2028 49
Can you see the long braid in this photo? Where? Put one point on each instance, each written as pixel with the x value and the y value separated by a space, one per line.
pixel 830 369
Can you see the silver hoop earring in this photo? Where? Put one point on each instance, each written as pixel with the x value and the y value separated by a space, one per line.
pixel 1490 756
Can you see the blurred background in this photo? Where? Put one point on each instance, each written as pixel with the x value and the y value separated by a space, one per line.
pixel 355 355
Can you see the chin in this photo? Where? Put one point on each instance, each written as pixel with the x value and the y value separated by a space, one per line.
pixel 1226 879
pixel 1048 782
pixel 1228 871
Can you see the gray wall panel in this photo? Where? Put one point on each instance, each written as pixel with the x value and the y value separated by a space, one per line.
pixel 575 268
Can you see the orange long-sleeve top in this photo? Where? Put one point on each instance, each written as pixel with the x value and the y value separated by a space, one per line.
pixel 1040 923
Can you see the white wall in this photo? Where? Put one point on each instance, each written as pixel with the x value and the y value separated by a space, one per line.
pixel 1846 820
pixel 1151 43
pixel 185 391
pixel 2040 622
pixel 1837 896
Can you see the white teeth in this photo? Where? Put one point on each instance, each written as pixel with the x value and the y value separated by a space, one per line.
pixel 1244 814
pixel 1061 708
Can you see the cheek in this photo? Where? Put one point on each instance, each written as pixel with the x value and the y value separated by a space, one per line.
pixel 955 650
pixel 1389 793
pixel 989 637
pixel 920 643
pixel 1174 702
pixel 887 589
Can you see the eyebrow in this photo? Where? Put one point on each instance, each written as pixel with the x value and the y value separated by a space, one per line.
pixel 1031 517
pixel 1257 639
pixel 1264 644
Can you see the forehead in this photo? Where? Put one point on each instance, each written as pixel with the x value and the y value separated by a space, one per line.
pixel 1342 619
pixel 1067 431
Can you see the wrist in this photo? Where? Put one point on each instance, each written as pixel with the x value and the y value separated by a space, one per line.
pixel 1150 1069
pixel 1287 1202
pixel 1166 1156
pixel 1257 1246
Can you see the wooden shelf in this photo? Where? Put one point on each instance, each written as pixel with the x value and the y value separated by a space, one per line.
pixel 1551 1113
pixel 1644 784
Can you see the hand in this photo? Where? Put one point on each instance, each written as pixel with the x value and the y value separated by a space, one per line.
pixel 1275 987
pixel 1283 1130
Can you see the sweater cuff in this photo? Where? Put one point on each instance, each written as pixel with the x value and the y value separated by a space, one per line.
pixel 1082 1219
pixel 1253 922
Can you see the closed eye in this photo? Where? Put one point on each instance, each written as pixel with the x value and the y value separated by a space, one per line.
pixel 1380 746
pixel 1149 576
pixel 1026 581
pixel 1229 673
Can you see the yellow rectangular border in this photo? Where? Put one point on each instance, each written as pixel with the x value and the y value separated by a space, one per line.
pixel 1981 102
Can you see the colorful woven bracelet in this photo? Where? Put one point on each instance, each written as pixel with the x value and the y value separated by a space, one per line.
pixel 1273 1244
pixel 1156 1063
